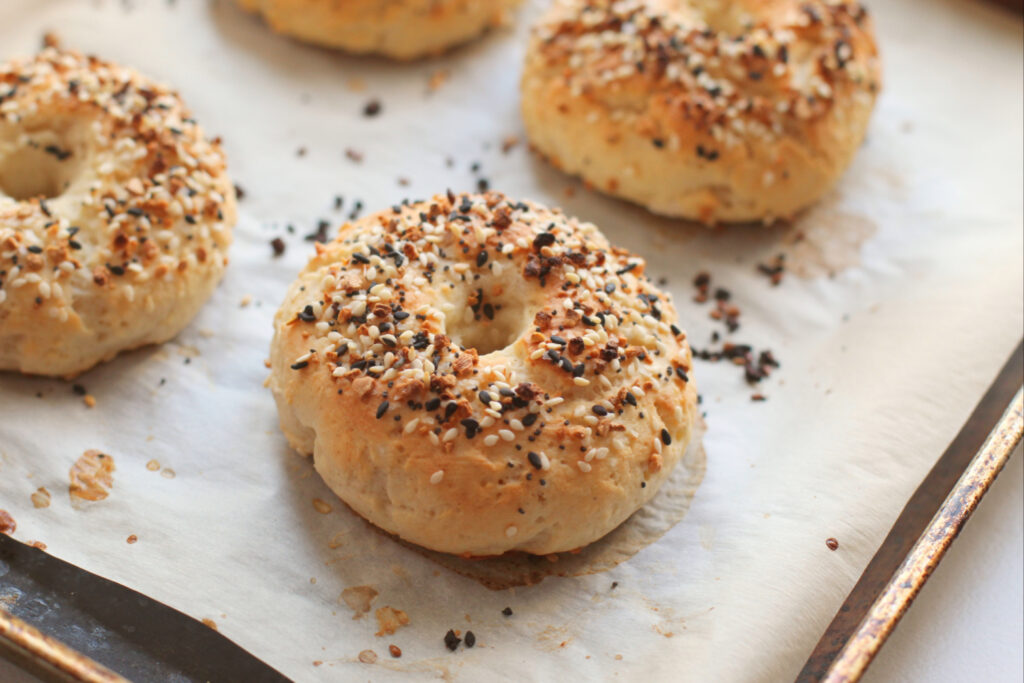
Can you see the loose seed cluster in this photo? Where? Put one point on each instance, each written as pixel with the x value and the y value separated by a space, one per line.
pixel 146 197
pixel 374 310
pixel 756 84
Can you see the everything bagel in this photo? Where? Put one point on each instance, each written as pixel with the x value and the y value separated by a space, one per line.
pixel 478 375
pixel 709 110
pixel 115 213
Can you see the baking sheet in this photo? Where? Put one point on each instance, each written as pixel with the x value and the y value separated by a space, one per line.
pixel 903 297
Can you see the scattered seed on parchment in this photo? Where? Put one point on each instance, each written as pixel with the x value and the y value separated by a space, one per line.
pixel 437 79
pixel 322 506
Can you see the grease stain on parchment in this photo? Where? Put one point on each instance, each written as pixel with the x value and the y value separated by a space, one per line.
pixel 826 240
pixel 91 477
pixel 359 599
pixel 554 638
pixel 644 527
pixel 390 620
pixel 7 523
pixel 41 498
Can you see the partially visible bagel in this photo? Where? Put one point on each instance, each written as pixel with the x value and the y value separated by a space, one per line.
pixel 115 213
pixel 400 29
pixel 477 374
pixel 710 110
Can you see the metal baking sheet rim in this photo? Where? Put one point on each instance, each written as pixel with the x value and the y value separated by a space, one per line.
pixel 64 663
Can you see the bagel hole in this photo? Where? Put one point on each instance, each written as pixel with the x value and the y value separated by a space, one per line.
pixel 41 164
pixel 484 321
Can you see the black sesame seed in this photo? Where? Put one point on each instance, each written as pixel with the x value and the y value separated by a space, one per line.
pixel 360 258
pixel 534 460
pixel 449 410
pixel 481 259
pixel 666 438
pixel 529 419
pixel 484 397
pixel 299 365
pixel 451 641
pixel 507 611
pixel 433 404
pixel 470 639
pixel 600 411
pixel 381 409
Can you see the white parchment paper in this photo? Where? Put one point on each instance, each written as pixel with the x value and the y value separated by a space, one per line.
pixel 904 299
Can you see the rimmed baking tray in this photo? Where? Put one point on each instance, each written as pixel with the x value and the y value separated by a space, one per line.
pixel 146 640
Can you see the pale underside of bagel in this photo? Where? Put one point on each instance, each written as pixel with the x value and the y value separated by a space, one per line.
pixel 399 29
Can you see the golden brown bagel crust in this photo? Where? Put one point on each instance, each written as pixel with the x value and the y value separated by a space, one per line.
pixel 479 375
pixel 708 110
pixel 133 236
pixel 400 29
